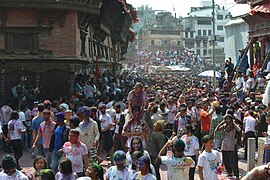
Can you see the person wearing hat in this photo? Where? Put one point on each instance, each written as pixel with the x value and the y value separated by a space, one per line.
pixel 244 65
pixel 45 131
pixel 90 134
pixel 59 137
pixel 183 163
pixel 182 119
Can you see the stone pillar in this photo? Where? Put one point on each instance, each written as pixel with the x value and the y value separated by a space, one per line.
pixel 261 141
pixel 2 89
pixel 251 154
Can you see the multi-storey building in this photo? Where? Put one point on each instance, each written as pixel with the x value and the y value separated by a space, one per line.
pixel 51 42
pixel 165 34
pixel 198 27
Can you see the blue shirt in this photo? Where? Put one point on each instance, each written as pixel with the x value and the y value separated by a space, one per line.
pixel 36 121
pixel 58 138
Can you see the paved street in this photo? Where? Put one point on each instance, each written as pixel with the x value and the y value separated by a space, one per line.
pixel 27 163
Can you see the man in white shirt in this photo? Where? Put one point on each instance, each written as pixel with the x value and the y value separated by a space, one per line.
pixel 249 124
pixel 10 172
pixel 239 86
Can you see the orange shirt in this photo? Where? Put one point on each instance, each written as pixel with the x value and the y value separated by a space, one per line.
pixel 205 120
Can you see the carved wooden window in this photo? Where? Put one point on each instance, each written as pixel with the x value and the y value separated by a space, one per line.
pixel 21 43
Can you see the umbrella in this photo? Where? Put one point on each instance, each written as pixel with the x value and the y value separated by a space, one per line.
pixel 210 73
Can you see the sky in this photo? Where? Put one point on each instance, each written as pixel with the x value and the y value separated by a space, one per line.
pixel 182 7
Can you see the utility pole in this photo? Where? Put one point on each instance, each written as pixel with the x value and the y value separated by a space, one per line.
pixel 213 43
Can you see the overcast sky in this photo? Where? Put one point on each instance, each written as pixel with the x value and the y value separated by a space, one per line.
pixel 182 7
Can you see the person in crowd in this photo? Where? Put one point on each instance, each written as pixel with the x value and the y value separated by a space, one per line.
pixel 259 172
pixel 90 134
pixel 242 65
pixel 119 141
pixel 136 155
pixel 14 136
pixel 136 145
pixel 38 164
pixel 182 119
pixel 45 174
pixel 45 131
pixel 119 171
pixel 136 127
pixel 205 117
pixel 145 170
pixel 95 172
pixel 249 127
pixel 178 165
pixel 191 148
pixel 106 136
pixel 9 166
pixel 59 137
pixel 156 141
pixel 239 87
pixel 209 161
pixel 137 98
pixel 172 112
pixel 6 112
pixel 22 118
pixel 65 170
pixel 77 152
pixel 36 121
pixel 74 124
pixel 218 136
pixel 228 147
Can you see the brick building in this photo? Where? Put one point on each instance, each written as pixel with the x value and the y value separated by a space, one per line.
pixel 51 42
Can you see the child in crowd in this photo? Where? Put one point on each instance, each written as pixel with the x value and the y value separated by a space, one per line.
pixel 209 160
pixel 45 174
pixel 120 171
pixel 65 170
pixel 38 164
pixel 178 165
pixel 145 170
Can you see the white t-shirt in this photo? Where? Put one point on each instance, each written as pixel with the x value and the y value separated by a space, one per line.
pixel 209 162
pixel 178 167
pixel 250 83
pixel 14 126
pixel 137 170
pixel 250 124
pixel 75 154
pixel 18 175
pixel 22 119
pixel 239 82
pixel 114 174
pixel 105 121
pixel 260 82
pixel 192 144
pixel 138 176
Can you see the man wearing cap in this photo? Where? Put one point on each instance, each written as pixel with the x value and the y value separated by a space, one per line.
pixel 45 131
pixel 90 134
pixel 59 137
pixel 244 65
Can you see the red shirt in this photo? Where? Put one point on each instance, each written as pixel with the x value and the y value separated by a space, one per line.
pixel 205 120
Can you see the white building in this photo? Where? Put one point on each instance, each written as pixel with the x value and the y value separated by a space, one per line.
pixel 198 27
pixel 236 37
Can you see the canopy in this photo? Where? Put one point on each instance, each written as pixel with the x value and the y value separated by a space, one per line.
pixel 209 73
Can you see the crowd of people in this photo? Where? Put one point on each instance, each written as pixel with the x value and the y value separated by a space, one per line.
pixel 139 123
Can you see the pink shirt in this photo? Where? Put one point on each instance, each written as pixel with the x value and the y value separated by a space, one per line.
pixel 46 131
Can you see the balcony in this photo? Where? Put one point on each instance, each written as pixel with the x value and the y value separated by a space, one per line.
pixel 86 6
